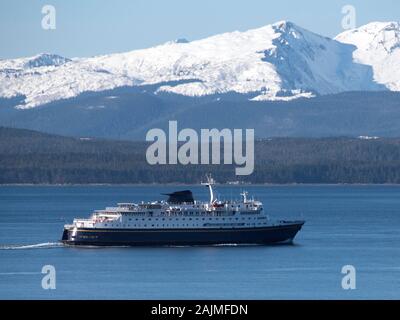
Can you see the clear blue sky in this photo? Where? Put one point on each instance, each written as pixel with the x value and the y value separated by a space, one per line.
pixel 92 27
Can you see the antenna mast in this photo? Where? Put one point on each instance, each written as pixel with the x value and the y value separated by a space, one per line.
pixel 210 182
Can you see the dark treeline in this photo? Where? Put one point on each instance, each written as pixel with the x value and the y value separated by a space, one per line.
pixel 33 157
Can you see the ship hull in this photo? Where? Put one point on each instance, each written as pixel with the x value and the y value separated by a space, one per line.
pixel 278 233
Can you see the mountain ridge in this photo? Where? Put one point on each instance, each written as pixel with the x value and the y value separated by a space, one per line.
pixel 378 45
pixel 280 61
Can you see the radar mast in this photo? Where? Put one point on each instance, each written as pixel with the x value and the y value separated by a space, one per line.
pixel 209 183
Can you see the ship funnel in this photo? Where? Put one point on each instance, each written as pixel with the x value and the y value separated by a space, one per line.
pixel 179 197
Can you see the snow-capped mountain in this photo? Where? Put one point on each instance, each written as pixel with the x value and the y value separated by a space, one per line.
pixel 41 60
pixel 281 61
pixel 378 45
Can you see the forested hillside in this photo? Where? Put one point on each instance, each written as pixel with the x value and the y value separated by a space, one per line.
pixel 32 157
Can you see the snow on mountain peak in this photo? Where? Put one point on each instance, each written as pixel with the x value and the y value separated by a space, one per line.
pixel 45 60
pixel 181 40
pixel 281 61
pixel 377 45
pixel 177 41
pixel 285 26
pixel 40 60
pixel 373 36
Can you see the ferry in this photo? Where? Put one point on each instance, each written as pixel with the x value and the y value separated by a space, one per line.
pixel 182 221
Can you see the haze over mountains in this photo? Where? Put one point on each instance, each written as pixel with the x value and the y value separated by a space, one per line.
pixel 272 78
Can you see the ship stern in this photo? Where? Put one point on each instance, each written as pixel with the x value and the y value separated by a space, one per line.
pixel 66 233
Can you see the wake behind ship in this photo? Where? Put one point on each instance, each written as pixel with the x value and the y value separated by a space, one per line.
pixel 181 220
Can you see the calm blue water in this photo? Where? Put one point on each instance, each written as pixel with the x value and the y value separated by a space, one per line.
pixel 356 225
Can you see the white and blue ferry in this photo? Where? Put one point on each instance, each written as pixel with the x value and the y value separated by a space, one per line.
pixel 181 220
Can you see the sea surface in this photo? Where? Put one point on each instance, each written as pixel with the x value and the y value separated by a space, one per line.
pixel 345 225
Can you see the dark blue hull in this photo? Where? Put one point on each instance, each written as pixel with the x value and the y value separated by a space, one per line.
pixel 285 231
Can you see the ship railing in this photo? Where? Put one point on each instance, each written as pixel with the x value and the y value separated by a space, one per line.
pixel 83 222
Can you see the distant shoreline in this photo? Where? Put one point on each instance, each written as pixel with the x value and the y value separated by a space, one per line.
pixel 192 184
